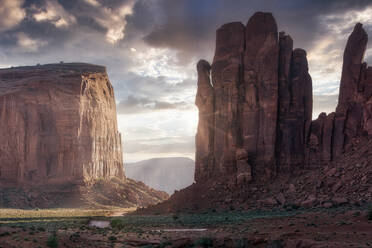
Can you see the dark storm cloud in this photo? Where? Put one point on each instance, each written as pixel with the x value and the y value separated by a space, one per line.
pixel 189 25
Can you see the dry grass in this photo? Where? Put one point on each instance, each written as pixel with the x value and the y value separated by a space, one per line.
pixel 59 212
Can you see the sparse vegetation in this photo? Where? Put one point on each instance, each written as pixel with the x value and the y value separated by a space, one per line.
pixel 369 214
pixel 204 242
pixel 52 241
pixel 58 212
pixel 76 230
pixel 117 224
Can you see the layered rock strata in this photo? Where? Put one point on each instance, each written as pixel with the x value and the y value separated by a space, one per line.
pixel 260 123
pixel 58 125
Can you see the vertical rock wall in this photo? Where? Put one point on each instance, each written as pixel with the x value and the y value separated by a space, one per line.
pixel 227 69
pixel 262 107
pixel 261 91
pixel 205 134
pixel 255 76
pixel 295 107
pixel 58 125
pixel 331 135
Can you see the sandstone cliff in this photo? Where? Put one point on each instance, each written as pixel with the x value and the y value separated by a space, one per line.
pixel 256 145
pixel 260 118
pixel 255 110
pixel 332 134
pixel 58 125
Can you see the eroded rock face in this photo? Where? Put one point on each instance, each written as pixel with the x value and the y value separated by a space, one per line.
pixel 255 76
pixel 263 104
pixel 295 106
pixel 353 113
pixel 204 137
pixel 227 69
pixel 260 104
pixel 58 125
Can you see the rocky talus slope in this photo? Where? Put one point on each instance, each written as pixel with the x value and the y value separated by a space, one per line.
pixel 256 145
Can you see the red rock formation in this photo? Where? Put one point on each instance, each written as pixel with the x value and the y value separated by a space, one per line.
pixel 255 76
pixel 227 71
pixel 260 104
pixel 58 125
pixel 295 107
pixel 263 104
pixel 353 113
pixel 205 134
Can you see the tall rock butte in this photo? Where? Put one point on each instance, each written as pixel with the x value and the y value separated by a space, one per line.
pixel 58 125
pixel 255 104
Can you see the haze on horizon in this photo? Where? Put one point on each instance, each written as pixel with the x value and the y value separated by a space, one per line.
pixel 150 49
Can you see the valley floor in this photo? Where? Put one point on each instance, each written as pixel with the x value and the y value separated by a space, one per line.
pixel 321 227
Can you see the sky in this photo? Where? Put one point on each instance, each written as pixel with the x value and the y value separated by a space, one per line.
pixel 151 47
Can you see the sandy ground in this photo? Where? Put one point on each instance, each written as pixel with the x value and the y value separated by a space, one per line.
pixel 315 228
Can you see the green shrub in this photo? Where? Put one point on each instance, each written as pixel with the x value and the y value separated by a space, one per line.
pixel 117 224
pixel 175 217
pixel 112 238
pixel 369 214
pixel 52 241
pixel 204 242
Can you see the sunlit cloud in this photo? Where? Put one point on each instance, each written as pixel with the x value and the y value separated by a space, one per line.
pixel 93 3
pixel 114 19
pixel 340 24
pixel 11 14
pixel 156 62
pixel 326 55
pixel 55 13
pixel 27 44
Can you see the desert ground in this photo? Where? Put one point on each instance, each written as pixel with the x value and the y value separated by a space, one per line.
pixel 342 226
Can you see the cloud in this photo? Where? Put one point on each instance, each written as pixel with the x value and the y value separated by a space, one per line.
pixel 55 13
pixel 93 3
pixel 324 103
pixel 134 105
pixel 11 14
pixel 184 146
pixel 27 44
pixel 113 19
